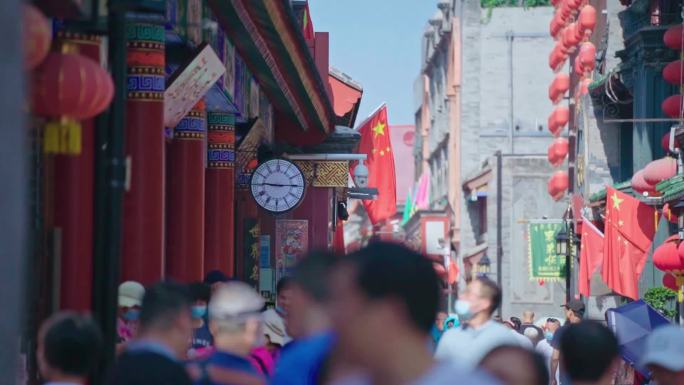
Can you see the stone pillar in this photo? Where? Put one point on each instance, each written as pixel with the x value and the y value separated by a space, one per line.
pixel 185 194
pixel 73 202
pixel 143 216
pixel 219 241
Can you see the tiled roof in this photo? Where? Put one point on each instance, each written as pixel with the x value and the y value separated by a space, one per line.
pixel 625 187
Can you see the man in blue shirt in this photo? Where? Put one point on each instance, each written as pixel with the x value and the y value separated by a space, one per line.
pixel 305 360
pixel 235 323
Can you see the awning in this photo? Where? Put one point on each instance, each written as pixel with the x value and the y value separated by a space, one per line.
pixel 346 96
pixel 268 38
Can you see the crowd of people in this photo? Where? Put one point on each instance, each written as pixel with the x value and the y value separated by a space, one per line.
pixel 371 317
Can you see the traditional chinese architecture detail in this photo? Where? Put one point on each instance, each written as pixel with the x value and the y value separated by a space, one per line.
pixel 325 174
pixel 221 140
pixel 193 125
pixel 145 80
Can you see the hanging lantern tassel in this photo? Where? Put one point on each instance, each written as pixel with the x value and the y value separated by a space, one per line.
pixel 541 281
pixel 62 137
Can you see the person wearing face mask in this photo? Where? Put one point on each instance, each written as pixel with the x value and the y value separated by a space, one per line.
pixel 202 340
pixel 544 346
pixel 235 321
pixel 154 356
pixel 478 333
pixel 130 298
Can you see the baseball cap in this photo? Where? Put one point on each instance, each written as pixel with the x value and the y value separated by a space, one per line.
pixel 665 348
pixel 131 294
pixel 235 300
pixel 575 305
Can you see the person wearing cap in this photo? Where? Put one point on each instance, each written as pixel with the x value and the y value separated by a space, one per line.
pixel 664 355
pixel 235 322
pixel 574 313
pixel 130 298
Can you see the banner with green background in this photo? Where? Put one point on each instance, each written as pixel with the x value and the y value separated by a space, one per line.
pixel 544 263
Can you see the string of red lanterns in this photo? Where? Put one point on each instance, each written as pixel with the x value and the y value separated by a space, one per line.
pixel 572 25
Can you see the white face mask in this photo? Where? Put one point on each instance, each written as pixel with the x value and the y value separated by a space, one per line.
pixel 463 309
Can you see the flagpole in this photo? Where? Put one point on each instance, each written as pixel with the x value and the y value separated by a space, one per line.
pixel 370 115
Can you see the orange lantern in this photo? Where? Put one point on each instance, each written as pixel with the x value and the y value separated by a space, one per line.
pixel 660 170
pixel 640 185
pixel 37 36
pixel 672 106
pixel 587 20
pixel 673 37
pixel 68 87
pixel 558 184
pixel 587 56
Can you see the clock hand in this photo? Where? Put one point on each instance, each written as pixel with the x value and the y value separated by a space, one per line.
pixel 278 185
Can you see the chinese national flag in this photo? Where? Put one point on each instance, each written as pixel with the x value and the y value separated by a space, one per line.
pixel 338 241
pixel 630 226
pixel 591 255
pixel 375 143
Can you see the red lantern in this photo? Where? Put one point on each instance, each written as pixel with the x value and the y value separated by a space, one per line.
pixel 552 125
pixel 587 55
pixel 672 73
pixel 574 4
pixel 560 116
pixel 559 86
pixel 570 39
pixel 68 87
pixel 668 214
pixel 37 36
pixel 666 257
pixel 670 282
pixel 558 184
pixel 660 170
pixel 666 142
pixel 587 19
pixel 557 152
pixel 672 106
pixel 640 185
pixel 673 37
pixel 556 26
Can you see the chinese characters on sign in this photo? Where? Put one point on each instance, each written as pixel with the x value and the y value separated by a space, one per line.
pixel 544 263
pixel 252 233
pixel 291 244
pixel 188 84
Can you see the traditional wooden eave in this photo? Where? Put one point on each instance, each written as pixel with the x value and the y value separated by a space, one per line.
pixel 269 40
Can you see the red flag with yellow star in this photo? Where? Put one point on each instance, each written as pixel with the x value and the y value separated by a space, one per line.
pixel 629 229
pixel 375 143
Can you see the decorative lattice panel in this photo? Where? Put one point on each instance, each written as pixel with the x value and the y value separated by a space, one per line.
pixel 325 173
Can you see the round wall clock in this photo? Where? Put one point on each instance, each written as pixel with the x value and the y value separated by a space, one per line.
pixel 278 185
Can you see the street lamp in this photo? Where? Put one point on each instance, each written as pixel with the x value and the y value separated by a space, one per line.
pixel 563 250
pixel 483 266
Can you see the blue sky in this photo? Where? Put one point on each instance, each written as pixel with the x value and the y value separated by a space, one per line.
pixel 377 43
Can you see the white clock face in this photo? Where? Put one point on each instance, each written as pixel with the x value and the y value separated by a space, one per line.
pixel 278 185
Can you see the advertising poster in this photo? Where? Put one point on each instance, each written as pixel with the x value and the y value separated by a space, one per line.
pixel 291 244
